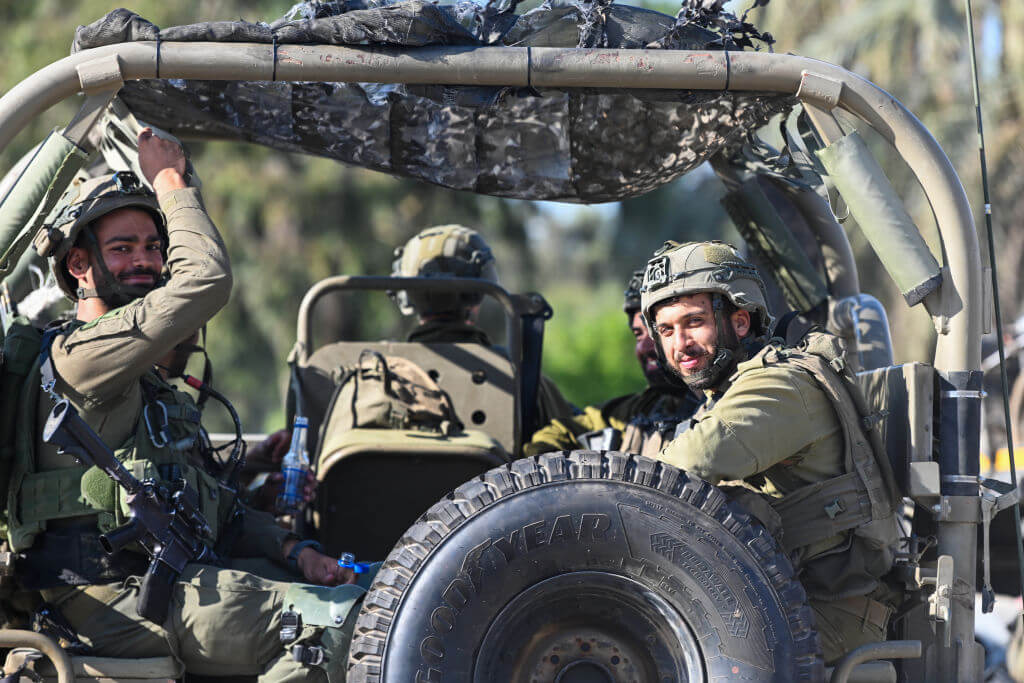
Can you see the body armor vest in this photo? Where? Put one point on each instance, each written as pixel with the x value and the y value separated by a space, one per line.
pixel 864 497
pixel 166 444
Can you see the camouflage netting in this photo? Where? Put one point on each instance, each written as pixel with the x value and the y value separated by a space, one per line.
pixel 571 145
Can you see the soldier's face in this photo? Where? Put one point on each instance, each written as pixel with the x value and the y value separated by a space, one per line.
pixel 645 351
pixel 688 334
pixel 130 246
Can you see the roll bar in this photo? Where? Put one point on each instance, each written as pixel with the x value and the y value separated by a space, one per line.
pixel 515 305
pixel 826 85
pixel 11 638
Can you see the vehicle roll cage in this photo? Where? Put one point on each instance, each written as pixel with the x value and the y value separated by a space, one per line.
pixel 819 86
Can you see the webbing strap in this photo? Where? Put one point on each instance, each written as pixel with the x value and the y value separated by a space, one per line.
pixel 860 455
pixel 47 375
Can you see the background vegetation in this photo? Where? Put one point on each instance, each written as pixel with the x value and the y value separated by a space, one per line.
pixel 291 220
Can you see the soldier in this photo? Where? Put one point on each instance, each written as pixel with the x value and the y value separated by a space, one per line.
pixel 108 248
pixel 457 251
pixel 784 422
pixel 634 423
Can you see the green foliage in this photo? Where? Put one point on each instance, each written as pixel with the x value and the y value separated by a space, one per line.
pixel 588 347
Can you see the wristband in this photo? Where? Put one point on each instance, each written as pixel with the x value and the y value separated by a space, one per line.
pixel 293 554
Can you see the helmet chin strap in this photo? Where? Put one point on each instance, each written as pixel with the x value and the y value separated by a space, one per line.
pixel 725 352
pixel 108 289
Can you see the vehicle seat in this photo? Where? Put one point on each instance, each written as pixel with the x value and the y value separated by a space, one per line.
pixel 396 475
pixel 480 380
pixel 95 669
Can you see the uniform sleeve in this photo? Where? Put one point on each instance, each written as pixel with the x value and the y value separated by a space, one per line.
pixel 261 536
pixel 765 417
pixel 560 435
pixel 101 360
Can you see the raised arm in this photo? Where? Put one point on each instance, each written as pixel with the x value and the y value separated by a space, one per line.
pixel 98 361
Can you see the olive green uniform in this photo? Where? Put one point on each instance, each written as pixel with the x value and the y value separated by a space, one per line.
pixel 551 404
pixel 220 621
pixel 644 421
pixel 773 427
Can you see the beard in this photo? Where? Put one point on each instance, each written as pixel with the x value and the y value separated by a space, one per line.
pixel 123 293
pixel 722 360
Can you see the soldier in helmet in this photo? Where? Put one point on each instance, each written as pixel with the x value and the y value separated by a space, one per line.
pixel 109 246
pixel 783 422
pixel 634 423
pixel 447 317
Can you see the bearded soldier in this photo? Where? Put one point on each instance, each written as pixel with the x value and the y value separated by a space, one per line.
pixel 450 317
pixel 784 422
pixel 635 423
pixel 108 249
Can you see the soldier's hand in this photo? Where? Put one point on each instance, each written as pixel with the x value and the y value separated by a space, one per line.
pixel 161 161
pixel 266 495
pixel 268 454
pixel 321 570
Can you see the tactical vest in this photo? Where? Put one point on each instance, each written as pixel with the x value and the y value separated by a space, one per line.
pixel 864 497
pixel 165 445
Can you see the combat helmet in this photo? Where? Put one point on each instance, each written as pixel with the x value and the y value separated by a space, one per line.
pixel 631 297
pixel 86 200
pixel 715 268
pixel 443 251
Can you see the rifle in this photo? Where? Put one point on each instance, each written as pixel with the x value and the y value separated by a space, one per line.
pixel 167 522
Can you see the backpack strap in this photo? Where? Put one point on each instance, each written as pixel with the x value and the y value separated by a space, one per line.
pixel 866 491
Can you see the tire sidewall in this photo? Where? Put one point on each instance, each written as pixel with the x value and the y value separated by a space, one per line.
pixel 682 549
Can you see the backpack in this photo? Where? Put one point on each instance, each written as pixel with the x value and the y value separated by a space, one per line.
pixel 21 345
pixel 388 392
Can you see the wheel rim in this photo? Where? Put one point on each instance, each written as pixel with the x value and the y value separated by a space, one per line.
pixel 589 627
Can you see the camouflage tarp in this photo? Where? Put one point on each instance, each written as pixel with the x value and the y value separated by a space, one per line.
pixel 573 145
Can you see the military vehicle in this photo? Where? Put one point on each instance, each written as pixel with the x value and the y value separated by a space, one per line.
pixel 582 566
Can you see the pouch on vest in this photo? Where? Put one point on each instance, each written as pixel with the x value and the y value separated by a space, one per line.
pixel 388 392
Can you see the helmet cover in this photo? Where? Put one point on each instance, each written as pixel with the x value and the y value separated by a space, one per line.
pixel 713 267
pixel 443 251
pixel 85 201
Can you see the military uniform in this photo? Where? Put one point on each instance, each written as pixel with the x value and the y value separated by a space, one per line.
pixel 773 428
pixel 783 430
pixel 642 422
pixel 220 621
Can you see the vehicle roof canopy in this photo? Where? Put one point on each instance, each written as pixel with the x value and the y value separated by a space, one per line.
pixel 570 144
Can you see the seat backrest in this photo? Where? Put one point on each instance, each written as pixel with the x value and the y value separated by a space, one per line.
pixel 903 396
pixel 394 476
pixel 480 380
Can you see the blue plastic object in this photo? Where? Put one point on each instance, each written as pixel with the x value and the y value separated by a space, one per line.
pixel 348 561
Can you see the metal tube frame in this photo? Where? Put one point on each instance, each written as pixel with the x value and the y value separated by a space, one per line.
pixel 11 638
pixel 959 347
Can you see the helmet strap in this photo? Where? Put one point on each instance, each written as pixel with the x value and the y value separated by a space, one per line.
pixel 725 357
pixel 108 288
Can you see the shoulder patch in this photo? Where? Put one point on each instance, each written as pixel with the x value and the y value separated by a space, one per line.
pixel 115 313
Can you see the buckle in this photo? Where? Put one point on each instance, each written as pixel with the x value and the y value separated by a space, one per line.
pixel 834 508
pixel 291 622
pixel 310 655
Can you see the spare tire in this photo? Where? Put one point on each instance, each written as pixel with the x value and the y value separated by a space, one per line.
pixel 585 566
